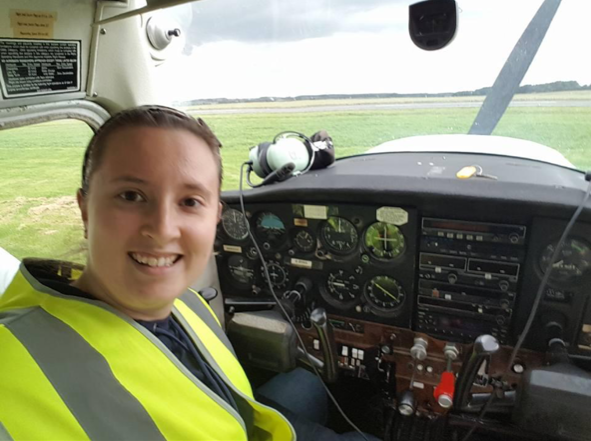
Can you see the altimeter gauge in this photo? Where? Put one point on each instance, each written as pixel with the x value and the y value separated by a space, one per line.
pixel 342 289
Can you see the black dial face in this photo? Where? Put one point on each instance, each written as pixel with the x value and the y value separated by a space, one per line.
pixel 384 294
pixel 304 241
pixel 340 235
pixel 342 289
pixel 270 229
pixel 384 241
pixel 277 274
pixel 241 269
pixel 573 261
pixel 234 224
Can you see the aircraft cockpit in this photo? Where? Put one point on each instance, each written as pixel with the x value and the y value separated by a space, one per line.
pixel 406 190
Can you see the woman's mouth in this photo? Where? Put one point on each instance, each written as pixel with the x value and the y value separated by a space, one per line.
pixel 155 261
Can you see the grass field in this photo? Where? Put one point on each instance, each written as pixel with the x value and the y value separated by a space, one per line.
pixel 41 164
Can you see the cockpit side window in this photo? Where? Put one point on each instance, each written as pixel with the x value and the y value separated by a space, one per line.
pixel 40 173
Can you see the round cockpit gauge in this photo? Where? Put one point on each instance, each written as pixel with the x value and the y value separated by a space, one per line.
pixel 339 235
pixel 234 224
pixel 384 295
pixel 572 263
pixel 270 228
pixel 304 241
pixel 277 273
pixel 342 289
pixel 241 269
pixel 384 241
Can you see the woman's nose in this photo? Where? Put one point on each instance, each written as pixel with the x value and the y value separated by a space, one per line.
pixel 161 224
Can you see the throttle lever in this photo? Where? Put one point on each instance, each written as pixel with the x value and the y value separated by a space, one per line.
pixel 319 320
pixel 484 346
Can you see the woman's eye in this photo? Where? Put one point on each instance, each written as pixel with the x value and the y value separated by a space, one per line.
pixel 191 202
pixel 131 196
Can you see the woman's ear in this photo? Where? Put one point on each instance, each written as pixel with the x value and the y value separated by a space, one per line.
pixel 82 204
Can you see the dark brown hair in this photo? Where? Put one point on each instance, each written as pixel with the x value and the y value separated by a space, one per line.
pixel 145 116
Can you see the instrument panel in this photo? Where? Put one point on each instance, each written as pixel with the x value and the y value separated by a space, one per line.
pixel 359 260
pixel 448 278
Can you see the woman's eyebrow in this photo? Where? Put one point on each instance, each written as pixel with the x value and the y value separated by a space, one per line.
pixel 193 186
pixel 130 179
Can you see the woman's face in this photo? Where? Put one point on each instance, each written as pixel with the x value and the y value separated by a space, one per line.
pixel 151 215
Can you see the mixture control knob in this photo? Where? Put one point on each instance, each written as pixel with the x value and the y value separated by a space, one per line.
pixel 419 349
pixel 444 392
pixel 445 401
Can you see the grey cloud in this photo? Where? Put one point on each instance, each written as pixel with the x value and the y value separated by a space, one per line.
pixel 277 20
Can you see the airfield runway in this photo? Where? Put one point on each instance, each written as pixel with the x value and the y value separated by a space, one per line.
pixel 389 106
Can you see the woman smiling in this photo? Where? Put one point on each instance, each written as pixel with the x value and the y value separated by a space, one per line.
pixel 121 349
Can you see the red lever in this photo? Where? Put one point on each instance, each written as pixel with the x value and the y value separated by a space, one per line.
pixel 444 392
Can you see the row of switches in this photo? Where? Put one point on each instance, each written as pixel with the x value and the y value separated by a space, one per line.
pixel 355 353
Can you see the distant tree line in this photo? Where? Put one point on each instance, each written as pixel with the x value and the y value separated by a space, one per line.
pixel 556 86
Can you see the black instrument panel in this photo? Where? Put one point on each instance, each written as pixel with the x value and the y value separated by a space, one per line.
pixel 360 259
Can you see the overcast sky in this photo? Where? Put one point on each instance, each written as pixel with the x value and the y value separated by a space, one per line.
pixel 241 49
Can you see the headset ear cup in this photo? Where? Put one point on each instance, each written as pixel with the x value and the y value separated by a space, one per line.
pixel 262 157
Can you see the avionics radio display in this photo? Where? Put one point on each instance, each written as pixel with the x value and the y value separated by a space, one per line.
pixel 468 278
pixel 456 226
pixel 474 231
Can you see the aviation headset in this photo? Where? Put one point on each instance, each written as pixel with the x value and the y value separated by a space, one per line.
pixel 290 154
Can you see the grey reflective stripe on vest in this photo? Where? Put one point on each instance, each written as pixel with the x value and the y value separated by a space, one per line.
pixel 113 413
pixel 4 435
pixel 196 305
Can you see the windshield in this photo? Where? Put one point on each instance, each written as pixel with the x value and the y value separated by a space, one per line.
pixel 350 67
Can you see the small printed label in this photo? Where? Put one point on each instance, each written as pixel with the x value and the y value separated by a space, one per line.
pixel 232 249
pixel 32 24
pixel 301 263
pixel 392 215
pixel 299 222
pixel 418 385
pixel 316 212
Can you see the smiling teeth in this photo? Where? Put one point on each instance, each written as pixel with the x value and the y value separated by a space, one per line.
pixel 152 261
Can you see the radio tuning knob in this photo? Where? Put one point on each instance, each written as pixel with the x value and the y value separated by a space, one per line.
pixel 452 278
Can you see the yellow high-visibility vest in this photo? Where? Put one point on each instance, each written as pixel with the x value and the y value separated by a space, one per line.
pixel 77 369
